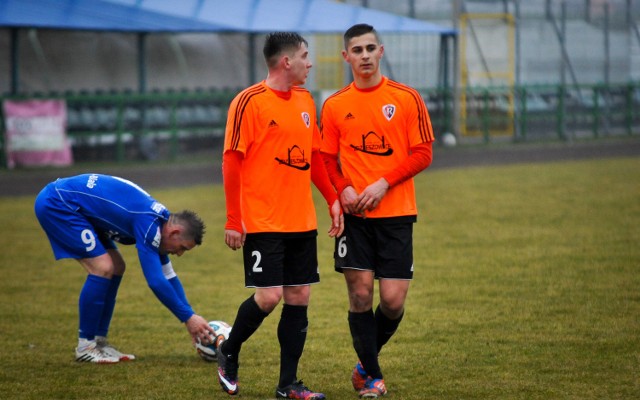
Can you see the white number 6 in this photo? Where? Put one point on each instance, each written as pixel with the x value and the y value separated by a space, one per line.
pixel 88 239
pixel 342 247
pixel 258 257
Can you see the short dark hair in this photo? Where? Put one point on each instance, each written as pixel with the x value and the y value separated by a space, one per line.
pixel 277 42
pixel 359 30
pixel 193 226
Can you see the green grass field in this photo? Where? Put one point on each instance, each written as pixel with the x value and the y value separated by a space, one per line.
pixel 527 286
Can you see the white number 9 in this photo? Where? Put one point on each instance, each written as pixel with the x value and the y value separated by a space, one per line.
pixel 88 239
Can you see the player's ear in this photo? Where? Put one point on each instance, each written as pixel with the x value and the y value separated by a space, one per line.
pixel 285 61
pixel 177 230
pixel 173 229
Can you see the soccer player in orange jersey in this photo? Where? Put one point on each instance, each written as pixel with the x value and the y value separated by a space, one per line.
pixel 271 156
pixel 377 136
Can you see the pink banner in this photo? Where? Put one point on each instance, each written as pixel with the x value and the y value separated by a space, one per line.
pixel 35 133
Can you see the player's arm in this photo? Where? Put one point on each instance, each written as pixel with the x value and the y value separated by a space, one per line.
pixel 343 185
pixel 419 159
pixel 234 234
pixel 164 283
pixel 154 272
pixel 320 179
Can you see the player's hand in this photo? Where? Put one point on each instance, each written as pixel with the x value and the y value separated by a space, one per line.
pixel 200 330
pixel 348 199
pixel 371 196
pixel 234 239
pixel 337 219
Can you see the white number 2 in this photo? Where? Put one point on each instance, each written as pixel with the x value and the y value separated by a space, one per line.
pixel 88 239
pixel 342 247
pixel 258 257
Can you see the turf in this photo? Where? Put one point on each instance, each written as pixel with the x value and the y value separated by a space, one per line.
pixel 527 286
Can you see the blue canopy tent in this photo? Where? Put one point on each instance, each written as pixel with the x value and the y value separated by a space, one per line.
pixel 261 16
pixel 241 16
pixel 95 15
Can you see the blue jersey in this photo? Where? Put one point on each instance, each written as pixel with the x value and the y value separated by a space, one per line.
pixel 81 213
pixel 115 207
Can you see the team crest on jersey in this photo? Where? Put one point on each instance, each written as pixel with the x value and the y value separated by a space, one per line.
pixel 306 118
pixel 388 110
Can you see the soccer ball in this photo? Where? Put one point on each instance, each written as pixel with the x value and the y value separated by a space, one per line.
pixel 448 139
pixel 208 352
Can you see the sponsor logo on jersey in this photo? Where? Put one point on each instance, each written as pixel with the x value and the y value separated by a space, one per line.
pixel 349 116
pixel 374 144
pixel 157 207
pixel 388 110
pixel 157 238
pixel 93 179
pixel 273 124
pixel 295 159
pixel 306 118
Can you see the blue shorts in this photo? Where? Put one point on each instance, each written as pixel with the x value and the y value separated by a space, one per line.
pixel 381 245
pixel 70 234
pixel 273 260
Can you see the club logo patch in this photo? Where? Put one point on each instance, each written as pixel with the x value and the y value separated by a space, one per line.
pixel 306 118
pixel 388 110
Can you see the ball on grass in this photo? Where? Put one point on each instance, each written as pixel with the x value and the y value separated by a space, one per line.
pixel 208 351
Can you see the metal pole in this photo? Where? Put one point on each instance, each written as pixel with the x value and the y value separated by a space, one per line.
pixel 444 86
pixel 252 59
pixel 587 10
pixel 516 120
pixel 607 60
pixel 142 76
pixel 563 79
pixel 142 88
pixel 15 62
pixel 456 68
pixel 607 68
pixel 563 59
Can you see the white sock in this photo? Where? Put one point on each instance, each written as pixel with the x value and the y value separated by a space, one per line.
pixel 84 344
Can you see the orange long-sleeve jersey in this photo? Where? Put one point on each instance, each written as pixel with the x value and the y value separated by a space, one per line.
pixel 269 187
pixel 373 131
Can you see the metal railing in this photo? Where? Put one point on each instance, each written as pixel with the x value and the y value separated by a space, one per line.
pixel 539 112
pixel 125 126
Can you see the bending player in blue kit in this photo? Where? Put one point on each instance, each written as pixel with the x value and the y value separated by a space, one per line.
pixel 83 216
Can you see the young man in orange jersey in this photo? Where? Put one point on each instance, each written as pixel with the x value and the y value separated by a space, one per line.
pixel 377 135
pixel 271 156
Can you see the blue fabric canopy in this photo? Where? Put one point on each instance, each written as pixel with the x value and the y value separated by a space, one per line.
pixel 252 16
pixel 95 15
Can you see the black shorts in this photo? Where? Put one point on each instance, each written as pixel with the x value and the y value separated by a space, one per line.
pixel 381 245
pixel 280 259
